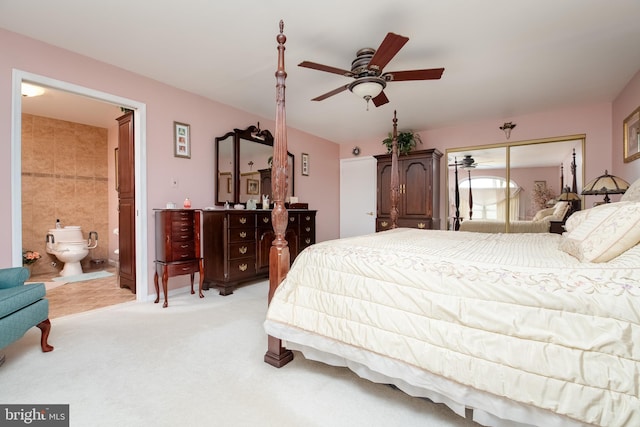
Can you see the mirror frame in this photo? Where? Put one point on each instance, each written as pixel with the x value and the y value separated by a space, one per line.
pixel 508 146
pixel 252 134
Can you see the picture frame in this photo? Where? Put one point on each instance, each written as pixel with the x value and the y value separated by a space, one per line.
pixel 631 136
pixel 305 164
pixel 540 185
pixel 253 186
pixel 181 140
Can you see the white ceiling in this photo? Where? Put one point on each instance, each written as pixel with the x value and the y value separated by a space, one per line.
pixel 502 58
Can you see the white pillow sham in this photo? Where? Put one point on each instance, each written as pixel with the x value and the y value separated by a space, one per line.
pixel 603 232
pixel 632 194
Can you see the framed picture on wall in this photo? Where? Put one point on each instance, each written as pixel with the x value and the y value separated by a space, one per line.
pixel 305 164
pixel 631 132
pixel 253 186
pixel 181 140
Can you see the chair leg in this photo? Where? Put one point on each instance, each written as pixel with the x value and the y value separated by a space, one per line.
pixel 45 327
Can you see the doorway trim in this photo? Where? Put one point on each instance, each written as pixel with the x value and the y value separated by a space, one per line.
pixel 140 141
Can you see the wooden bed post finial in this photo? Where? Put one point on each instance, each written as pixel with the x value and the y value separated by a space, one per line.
pixel 276 354
pixel 395 181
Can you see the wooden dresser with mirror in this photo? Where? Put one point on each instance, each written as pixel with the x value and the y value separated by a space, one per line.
pixel 236 242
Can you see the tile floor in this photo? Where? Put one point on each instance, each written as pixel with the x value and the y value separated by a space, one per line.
pixel 77 297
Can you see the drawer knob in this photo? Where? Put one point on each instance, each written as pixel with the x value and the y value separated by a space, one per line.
pixel 242 267
pixel 308 218
pixel 307 240
pixel 265 219
pixel 384 223
pixel 308 229
pixel 243 220
pixel 184 246
pixel 421 225
pixel 292 218
pixel 243 250
pixel 184 256
pixel 243 234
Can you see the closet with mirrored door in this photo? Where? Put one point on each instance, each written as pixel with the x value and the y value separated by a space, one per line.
pixel 511 181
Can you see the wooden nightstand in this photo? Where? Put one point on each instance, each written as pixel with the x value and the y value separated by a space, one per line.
pixel 556 227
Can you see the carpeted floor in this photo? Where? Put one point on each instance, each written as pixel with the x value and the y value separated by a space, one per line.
pixel 198 362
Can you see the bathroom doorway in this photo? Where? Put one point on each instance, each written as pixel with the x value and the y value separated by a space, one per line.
pixel 95 104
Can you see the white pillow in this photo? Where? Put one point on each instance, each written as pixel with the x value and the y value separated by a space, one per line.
pixel 605 232
pixel 560 210
pixel 632 194
pixel 576 219
pixel 543 213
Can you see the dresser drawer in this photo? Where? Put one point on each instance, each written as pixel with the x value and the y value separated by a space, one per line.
pixel 183 250
pixel 182 215
pixel 241 268
pixel 181 232
pixel 264 220
pixel 185 267
pixel 242 250
pixel 242 235
pixel 243 220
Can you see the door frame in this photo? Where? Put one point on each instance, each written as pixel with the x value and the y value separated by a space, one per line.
pixel 140 116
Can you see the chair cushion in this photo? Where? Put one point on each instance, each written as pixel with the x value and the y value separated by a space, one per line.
pixel 14 299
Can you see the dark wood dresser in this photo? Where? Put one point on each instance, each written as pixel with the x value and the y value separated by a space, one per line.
pixel 419 198
pixel 177 247
pixel 236 244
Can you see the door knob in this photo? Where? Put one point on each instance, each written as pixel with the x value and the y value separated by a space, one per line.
pixel 370 213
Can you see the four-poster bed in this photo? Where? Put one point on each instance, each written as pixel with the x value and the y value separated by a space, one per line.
pixel 510 329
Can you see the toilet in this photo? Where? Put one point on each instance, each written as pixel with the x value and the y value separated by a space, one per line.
pixel 68 245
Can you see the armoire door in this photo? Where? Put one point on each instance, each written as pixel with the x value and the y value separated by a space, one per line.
pixel 126 202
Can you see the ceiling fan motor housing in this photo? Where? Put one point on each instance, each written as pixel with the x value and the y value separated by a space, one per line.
pixel 360 65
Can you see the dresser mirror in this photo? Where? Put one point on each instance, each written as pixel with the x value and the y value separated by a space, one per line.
pixel 484 171
pixel 243 166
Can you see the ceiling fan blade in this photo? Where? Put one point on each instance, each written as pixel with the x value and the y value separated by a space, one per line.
pixel 400 76
pixel 381 99
pixel 327 68
pixel 389 47
pixel 333 92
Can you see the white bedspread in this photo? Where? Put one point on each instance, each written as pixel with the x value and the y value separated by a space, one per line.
pixel 506 314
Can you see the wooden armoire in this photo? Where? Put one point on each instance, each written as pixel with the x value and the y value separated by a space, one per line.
pixel 419 188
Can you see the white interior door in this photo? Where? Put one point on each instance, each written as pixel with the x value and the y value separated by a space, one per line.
pixel 357 196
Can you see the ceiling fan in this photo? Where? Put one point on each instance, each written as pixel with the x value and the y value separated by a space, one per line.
pixel 367 68
pixel 468 162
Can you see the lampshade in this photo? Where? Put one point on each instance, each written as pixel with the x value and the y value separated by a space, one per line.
pixel 568 197
pixel 606 184
pixel 367 87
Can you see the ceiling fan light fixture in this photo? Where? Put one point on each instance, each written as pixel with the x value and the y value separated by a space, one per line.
pixel 368 87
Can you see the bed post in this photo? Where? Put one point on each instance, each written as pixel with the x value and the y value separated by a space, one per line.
pixel 395 180
pixel 456 219
pixel 276 354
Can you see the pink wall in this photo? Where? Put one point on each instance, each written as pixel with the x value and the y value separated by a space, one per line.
pixel 164 105
pixel 592 120
pixel 623 105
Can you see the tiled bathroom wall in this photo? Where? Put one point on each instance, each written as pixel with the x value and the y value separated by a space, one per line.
pixel 64 176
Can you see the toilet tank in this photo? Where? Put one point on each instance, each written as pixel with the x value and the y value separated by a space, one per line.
pixel 70 233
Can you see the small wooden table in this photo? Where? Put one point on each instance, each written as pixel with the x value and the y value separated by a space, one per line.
pixel 177 268
pixel 556 227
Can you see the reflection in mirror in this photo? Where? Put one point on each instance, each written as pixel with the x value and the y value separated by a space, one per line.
pixel 534 172
pixel 243 167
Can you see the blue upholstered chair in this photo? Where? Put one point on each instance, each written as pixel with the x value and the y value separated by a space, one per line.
pixel 22 307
